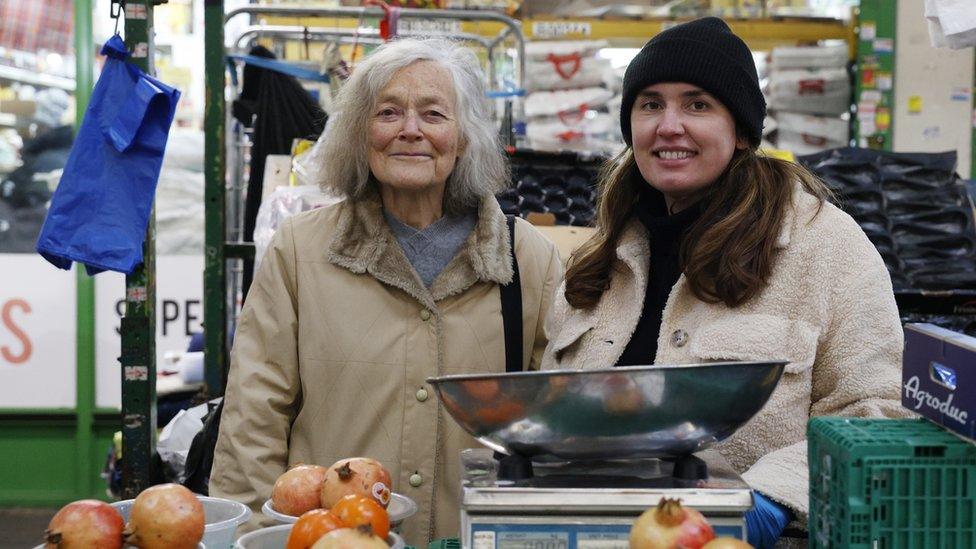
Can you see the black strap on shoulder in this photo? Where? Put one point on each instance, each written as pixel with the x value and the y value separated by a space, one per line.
pixel 512 309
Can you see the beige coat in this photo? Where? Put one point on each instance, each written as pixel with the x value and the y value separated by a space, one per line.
pixel 337 337
pixel 828 309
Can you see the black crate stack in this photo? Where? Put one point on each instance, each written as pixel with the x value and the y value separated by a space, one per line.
pixel 917 212
pixel 563 184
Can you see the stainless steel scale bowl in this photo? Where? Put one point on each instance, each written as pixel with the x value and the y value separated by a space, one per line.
pixel 606 445
pixel 626 412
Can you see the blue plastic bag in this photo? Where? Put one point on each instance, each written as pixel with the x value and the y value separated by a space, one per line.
pixel 100 210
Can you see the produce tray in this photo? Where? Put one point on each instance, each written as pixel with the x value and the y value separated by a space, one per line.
pixel 890 484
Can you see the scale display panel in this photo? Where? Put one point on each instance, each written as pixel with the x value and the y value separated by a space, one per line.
pixel 557 535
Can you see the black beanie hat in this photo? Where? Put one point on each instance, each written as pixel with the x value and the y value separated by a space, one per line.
pixel 705 53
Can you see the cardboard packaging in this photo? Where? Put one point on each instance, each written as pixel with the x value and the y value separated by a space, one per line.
pixel 939 377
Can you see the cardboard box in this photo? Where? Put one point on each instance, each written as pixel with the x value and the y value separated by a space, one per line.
pixel 939 377
pixel 566 238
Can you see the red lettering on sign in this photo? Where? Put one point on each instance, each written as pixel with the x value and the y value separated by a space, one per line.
pixel 25 342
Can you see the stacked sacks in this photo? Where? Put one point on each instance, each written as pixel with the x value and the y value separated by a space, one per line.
pixel 810 96
pixel 567 103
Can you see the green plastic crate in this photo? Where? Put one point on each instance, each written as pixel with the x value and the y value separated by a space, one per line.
pixel 890 484
pixel 446 543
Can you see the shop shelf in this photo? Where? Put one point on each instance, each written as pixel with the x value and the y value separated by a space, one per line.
pixel 890 484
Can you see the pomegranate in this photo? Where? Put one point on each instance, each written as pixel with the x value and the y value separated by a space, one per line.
pixel 358 475
pixel 311 526
pixel 726 543
pixel 298 490
pixel 361 537
pixel 165 516
pixel 670 526
pixel 354 510
pixel 85 524
pixel 485 390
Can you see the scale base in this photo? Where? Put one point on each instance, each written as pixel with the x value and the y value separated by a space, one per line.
pixel 593 505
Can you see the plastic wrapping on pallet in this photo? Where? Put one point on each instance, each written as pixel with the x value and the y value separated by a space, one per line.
pixel 585 131
pixel 819 91
pixel 807 134
pixel 809 57
pixel 565 103
pixel 567 72
pixel 541 50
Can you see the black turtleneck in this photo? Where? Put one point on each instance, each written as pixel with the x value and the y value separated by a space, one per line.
pixel 665 234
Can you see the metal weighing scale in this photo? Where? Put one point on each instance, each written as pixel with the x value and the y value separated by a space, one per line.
pixel 608 444
pixel 592 505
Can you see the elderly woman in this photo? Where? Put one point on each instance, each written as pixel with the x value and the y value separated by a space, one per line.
pixel 355 305
pixel 706 250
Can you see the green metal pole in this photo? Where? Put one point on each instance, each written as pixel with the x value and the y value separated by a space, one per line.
pixel 85 286
pixel 215 276
pixel 139 323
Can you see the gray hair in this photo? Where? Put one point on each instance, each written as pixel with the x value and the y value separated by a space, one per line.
pixel 339 163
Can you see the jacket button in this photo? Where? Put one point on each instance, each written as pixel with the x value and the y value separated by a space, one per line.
pixel 416 480
pixel 424 315
pixel 422 394
pixel 679 338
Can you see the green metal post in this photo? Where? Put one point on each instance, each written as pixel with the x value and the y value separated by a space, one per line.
pixel 139 323
pixel 215 275
pixel 85 285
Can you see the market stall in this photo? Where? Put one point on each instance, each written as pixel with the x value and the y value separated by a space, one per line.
pixel 581 459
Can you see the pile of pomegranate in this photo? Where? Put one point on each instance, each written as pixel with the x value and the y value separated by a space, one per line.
pixel 306 487
pixel 85 523
pixel 163 516
pixel 669 525
pixel 340 506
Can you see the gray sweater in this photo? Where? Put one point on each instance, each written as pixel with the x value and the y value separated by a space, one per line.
pixel 431 249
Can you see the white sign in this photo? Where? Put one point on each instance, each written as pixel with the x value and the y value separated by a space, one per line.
pixel 37 333
pixel 430 26
pixel 558 29
pixel 179 311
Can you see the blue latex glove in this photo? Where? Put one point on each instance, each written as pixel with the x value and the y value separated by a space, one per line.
pixel 765 522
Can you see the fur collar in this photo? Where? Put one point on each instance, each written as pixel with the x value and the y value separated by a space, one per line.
pixel 363 243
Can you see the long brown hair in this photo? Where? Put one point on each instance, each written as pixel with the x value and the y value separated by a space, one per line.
pixel 728 253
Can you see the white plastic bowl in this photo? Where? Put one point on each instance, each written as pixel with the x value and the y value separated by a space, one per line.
pixel 400 508
pixel 275 537
pixel 221 519
pixel 221 516
pixel 126 546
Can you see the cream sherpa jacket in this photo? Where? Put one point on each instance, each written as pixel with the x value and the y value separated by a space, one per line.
pixel 828 309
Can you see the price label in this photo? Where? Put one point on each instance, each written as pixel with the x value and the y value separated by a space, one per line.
pixel 430 26
pixel 557 29
pixel 483 540
pixel 602 540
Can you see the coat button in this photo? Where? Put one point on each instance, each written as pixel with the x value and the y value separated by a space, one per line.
pixel 424 315
pixel 416 480
pixel 422 394
pixel 679 338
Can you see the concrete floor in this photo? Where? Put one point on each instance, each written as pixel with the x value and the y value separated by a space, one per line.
pixel 23 528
